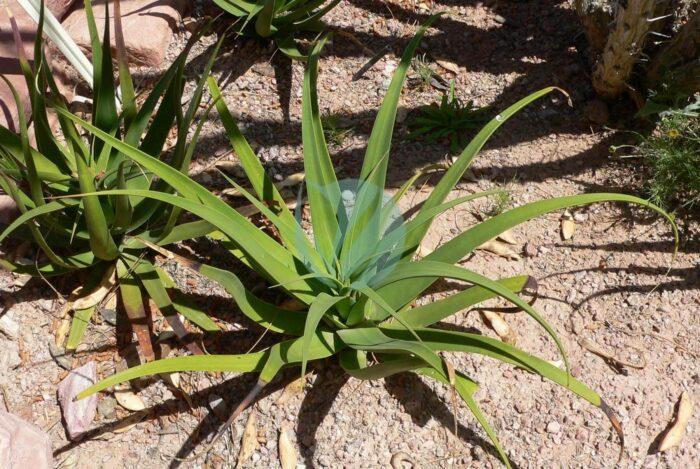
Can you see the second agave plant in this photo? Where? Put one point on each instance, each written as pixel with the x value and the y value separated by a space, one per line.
pixel 357 275
pixel 91 237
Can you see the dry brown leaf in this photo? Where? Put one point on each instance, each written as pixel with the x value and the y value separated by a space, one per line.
pixel 422 251
pixel 99 293
pixel 449 66
pixel 508 237
pixel 287 452
pixel 292 389
pixel 401 459
pixel 293 304
pixel 249 441
pixel 500 248
pixel 674 435
pixel 129 400
pixel 126 424
pixel 501 327
pixel 568 226
pixel 291 180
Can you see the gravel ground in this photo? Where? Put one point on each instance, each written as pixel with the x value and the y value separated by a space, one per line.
pixel 612 283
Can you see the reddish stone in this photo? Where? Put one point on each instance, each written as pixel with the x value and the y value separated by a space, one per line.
pixel 78 415
pixel 148 28
pixel 23 445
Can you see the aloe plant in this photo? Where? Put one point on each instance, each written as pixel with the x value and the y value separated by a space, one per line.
pixel 357 276
pixel 279 20
pixel 93 236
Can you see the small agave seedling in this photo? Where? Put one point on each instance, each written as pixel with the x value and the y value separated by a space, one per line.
pixel 452 120
pixel 279 20
pixel 92 236
pixel 357 277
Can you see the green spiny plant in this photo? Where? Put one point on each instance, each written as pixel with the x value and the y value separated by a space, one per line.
pixel 357 277
pixel 501 201
pixel 423 70
pixel 452 120
pixel 334 132
pixel 279 20
pixel 93 236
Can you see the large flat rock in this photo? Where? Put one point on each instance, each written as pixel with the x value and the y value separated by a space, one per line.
pixel 23 445
pixel 148 28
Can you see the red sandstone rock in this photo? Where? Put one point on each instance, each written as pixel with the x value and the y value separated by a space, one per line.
pixel 148 28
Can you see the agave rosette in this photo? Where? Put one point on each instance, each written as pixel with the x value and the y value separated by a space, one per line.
pixel 356 275
pixel 92 236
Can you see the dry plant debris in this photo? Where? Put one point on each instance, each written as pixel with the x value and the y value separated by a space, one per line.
pixel 675 434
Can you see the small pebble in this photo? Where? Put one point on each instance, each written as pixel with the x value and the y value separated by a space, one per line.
pixel 553 427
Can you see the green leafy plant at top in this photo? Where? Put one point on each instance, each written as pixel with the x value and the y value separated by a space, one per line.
pixel 92 236
pixel 452 120
pixel 357 277
pixel 672 152
pixel 279 20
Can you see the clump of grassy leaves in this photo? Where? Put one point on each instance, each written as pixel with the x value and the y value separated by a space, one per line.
pixel 451 120
pixel 75 231
pixel 672 153
pixel 424 72
pixel 356 276
pixel 335 132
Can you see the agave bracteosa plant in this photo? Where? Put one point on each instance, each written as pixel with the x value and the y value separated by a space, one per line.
pixel 89 236
pixel 279 20
pixel 357 277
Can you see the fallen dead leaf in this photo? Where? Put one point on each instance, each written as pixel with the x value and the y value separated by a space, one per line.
pixel 507 236
pixel 129 400
pixel 400 460
pixel 126 424
pixel 449 66
pixel 501 327
pixel 292 389
pixel 675 434
pixel 500 248
pixel 292 304
pixel 422 251
pixel 99 293
pixel 287 452
pixel 568 226
pixel 291 180
pixel 249 441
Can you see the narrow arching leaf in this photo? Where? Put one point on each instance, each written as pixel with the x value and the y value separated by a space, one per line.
pixel 457 169
pixel 81 319
pixel 317 310
pixel 135 310
pixel 327 211
pixel 401 293
pixel 466 389
pixel 323 345
pixel 430 313
pixel 101 240
pixel 439 269
pixel 365 220
pixel 452 341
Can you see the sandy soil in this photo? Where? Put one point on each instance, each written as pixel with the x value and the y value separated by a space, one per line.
pixel 612 283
